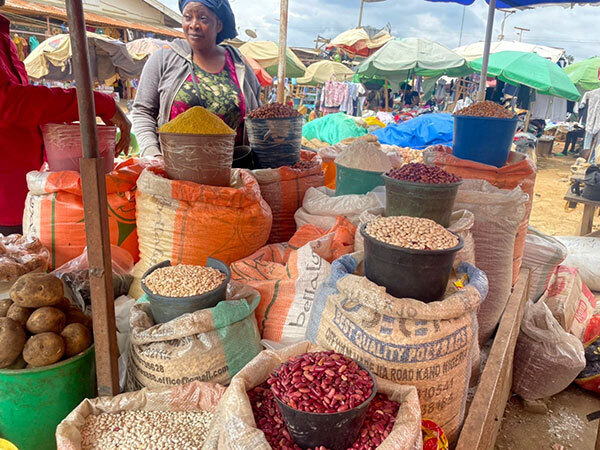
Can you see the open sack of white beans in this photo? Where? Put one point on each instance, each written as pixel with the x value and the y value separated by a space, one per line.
pixel 244 405
pixel 167 418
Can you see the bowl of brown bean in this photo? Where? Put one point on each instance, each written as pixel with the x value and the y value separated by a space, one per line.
pixel 176 290
pixel 411 257
pixel 323 398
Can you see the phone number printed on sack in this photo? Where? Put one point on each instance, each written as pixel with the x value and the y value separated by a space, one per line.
pixel 414 353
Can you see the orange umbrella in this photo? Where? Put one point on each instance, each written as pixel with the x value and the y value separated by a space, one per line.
pixel 263 77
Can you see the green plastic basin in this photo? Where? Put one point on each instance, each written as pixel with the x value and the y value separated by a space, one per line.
pixel 34 401
pixel 355 181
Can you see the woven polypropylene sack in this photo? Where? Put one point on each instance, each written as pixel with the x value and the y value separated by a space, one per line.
pixel 234 428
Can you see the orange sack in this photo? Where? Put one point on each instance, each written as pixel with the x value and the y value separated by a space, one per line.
pixel 519 171
pixel 54 210
pixel 283 189
pixel 186 223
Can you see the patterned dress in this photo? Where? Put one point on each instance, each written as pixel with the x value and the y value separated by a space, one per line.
pixel 220 93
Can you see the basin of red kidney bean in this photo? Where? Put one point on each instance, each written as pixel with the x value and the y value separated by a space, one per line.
pixel 422 173
pixel 321 382
pixel 378 424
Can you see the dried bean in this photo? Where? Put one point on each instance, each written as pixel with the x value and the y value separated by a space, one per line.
pixel 486 109
pixel 304 165
pixel 421 173
pixel 411 232
pixel 273 111
pixel 319 370
pixel 183 280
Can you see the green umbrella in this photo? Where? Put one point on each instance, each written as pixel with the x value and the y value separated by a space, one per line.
pixel 585 73
pixel 531 70
pixel 401 58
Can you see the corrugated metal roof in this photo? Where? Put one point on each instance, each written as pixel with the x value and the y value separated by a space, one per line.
pixel 23 6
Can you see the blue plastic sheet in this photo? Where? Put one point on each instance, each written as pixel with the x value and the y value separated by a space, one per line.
pixel 420 132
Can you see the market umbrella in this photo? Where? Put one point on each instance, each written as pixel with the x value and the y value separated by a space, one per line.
pixel 585 74
pixel 266 53
pixel 144 47
pixel 359 42
pixel 108 57
pixel 323 71
pixel 263 76
pixel 400 58
pixel 474 51
pixel 530 70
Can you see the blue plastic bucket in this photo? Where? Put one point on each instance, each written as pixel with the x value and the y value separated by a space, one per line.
pixel 485 140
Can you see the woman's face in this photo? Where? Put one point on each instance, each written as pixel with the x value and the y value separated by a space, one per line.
pixel 200 26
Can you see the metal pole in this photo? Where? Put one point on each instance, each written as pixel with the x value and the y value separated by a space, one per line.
pixel 462 25
pixel 362 5
pixel 95 211
pixel 486 50
pixel 283 25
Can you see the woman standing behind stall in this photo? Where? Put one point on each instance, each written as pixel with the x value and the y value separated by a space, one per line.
pixel 196 71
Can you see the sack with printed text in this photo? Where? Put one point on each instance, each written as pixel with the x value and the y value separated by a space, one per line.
pixel 209 345
pixel 428 345
pixel 288 275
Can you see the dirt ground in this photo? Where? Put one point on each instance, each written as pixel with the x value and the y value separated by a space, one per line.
pixel 565 424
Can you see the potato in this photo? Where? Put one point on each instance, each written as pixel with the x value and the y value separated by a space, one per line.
pixel 12 340
pixel 75 315
pixel 19 364
pixel 35 290
pixel 19 313
pixel 46 319
pixel 43 349
pixel 4 305
pixel 77 338
pixel 64 305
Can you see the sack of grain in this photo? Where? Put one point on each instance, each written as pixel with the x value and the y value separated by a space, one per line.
pixel 498 213
pixel 192 397
pixel 571 302
pixel 54 210
pixel 284 188
pixel 519 171
pixel 234 427
pixel 287 277
pixel 186 223
pixel 209 345
pixel 547 358
pixel 584 254
pixel 428 345
pixel 542 254
pixel 321 207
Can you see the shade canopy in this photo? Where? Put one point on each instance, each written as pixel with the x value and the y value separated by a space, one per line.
pixel 530 70
pixel 474 51
pixel 144 47
pixel 359 42
pixel 323 71
pixel 401 58
pixel 263 76
pixel 108 57
pixel 266 53
pixel 585 74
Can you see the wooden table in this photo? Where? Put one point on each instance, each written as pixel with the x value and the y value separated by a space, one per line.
pixel 589 210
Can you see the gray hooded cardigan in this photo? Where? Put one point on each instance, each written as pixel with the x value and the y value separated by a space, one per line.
pixel 162 77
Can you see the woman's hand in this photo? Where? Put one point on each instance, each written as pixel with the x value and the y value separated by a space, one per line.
pixel 121 121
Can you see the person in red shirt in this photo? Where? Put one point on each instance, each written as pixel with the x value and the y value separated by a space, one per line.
pixel 23 109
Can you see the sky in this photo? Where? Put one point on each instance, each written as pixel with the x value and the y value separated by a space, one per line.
pixel 574 29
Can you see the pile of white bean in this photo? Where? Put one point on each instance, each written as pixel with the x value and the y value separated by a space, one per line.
pixel 146 430
pixel 183 280
pixel 411 232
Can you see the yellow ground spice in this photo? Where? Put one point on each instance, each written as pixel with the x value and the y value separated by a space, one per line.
pixel 196 120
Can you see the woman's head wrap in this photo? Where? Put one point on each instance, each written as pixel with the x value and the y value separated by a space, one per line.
pixel 223 11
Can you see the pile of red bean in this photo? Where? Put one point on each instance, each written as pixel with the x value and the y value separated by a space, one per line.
pixel 421 173
pixel 304 165
pixel 486 109
pixel 378 423
pixel 321 382
pixel 273 111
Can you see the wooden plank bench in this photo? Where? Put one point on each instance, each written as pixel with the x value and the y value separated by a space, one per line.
pixel 589 210
pixel 483 421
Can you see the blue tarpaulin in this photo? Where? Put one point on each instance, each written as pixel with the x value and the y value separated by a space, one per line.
pixel 519 3
pixel 420 132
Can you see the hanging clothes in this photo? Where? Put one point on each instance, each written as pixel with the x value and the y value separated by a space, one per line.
pixel 591 99
pixel 546 107
pixel 33 43
pixel 334 94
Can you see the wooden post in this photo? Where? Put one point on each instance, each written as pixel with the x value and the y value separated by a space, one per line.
pixel 95 211
pixel 387 96
pixel 283 25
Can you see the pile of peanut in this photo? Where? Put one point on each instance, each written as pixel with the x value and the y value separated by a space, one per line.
pixel 486 109
pixel 411 232
pixel 183 280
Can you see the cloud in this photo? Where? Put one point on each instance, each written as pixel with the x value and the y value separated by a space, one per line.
pixel 573 29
